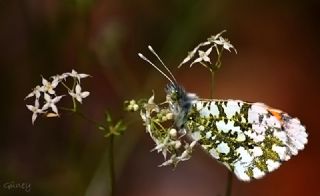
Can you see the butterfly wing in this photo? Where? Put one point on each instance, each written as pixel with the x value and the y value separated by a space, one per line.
pixel 251 139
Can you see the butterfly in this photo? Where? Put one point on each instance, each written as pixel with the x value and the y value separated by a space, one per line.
pixel 250 139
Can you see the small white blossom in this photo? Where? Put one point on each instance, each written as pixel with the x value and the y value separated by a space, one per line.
pixel 36 92
pixel 173 159
pixel 49 86
pixel 213 38
pixel 225 44
pixel 203 56
pixel 35 109
pixel 51 103
pixel 184 156
pixel 193 52
pixel 78 95
pixel 60 77
pixel 78 76
pixel 162 146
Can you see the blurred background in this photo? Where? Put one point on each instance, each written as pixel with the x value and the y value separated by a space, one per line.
pixel 277 63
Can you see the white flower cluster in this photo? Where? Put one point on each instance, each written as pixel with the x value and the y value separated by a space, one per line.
pixel 217 42
pixel 46 94
pixel 158 121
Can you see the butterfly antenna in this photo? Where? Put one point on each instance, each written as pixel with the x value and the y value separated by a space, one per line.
pixel 148 61
pixel 155 54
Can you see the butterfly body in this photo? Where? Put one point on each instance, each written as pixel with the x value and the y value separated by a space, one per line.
pixel 251 139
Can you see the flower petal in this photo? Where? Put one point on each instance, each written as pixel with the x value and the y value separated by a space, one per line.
pixel 44 81
pixel 34 117
pixel 79 98
pixel 57 99
pixel 54 108
pixel 78 89
pixel 30 107
pixel 83 75
pixel 196 61
pixel 30 95
pixel 45 106
pixel 36 103
pixel 208 51
pixel 47 97
pixel 85 94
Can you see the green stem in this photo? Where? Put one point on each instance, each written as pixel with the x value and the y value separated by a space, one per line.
pixel 111 172
pixel 81 115
pixel 71 90
pixel 212 84
pixel 229 174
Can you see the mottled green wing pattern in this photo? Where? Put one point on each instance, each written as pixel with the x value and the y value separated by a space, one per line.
pixel 251 139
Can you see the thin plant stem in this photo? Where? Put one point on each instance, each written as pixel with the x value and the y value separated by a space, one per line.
pixel 228 191
pixel 80 114
pixel 111 172
pixel 212 84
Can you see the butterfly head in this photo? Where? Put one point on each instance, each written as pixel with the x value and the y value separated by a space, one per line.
pixel 180 102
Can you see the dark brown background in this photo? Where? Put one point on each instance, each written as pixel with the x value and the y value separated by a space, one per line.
pixel 277 63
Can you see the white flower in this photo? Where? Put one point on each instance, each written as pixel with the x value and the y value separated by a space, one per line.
pixel 78 94
pixel 203 56
pixel 35 109
pixel 49 86
pixel 162 146
pixel 173 160
pixel 50 103
pixel 36 92
pixel 213 38
pixel 75 74
pixel 60 77
pixel 225 44
pixel 193 52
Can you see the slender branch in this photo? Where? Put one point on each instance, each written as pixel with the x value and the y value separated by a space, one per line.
pixel 217 65
pixel 70 90
pixel 212 83
pixel 83 116
pixel 73 99
pixel 111 172
pixel 66 86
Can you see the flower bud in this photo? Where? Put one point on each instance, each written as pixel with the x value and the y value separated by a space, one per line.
pixel 177 144
pixel 201 128
pixel 169 116
pixel 132 102
pixel 173 133
pixel 135 107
